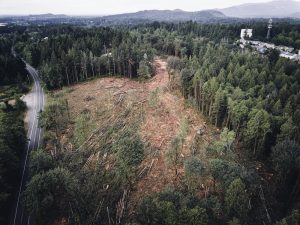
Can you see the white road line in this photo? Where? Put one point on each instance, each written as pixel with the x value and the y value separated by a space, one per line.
pixel 35 118
pixel 36 107
pixel 41 107
pixel 30 119
pixel 38 110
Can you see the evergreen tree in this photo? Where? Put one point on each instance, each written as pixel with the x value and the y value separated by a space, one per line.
pixel 236 199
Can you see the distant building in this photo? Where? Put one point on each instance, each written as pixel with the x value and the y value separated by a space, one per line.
pixel 246 33
pixel 268 45
pixel 286 55
pixel 263 47
pixel 289 55
pixel 285 48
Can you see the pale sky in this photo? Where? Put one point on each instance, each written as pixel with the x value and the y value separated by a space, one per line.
pixel 100 7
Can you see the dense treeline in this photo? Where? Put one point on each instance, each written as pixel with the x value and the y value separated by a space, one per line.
pixel 258 98
pixel 281 34
pixel 249 176
pixel 67 55
pixel 12 133
pixel 12 145
pixel 12 69
pixel 235 89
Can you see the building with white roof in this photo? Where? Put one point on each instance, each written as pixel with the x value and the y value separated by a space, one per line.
pixel 289 55
pixel 246 33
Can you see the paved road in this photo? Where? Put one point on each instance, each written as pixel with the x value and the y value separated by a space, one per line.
pixel 35 101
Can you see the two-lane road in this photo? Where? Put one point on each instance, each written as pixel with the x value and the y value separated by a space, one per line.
pixel 35 101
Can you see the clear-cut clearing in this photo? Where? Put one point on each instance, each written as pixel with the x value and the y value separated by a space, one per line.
pixel 163 111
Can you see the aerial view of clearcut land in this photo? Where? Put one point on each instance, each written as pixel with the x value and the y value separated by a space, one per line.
pixel 150 112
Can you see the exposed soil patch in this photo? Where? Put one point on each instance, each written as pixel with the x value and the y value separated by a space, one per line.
pixel 163 112
pixel 160 126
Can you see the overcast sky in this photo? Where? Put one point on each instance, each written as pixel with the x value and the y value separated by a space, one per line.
pixel 104 7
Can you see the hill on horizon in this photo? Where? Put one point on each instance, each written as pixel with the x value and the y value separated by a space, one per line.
pixel 270 9
pixel 168 15
pixel 276 9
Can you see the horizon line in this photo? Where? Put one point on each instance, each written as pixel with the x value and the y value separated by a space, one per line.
pixel 106 14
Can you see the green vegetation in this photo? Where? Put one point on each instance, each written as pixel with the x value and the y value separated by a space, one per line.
pixel 237 200
pixel 13 77
pixel 171 208
pixel 73 54
pixel 249 175
pixel 49 194
pixel 154 98
pixel 173 154
pixel 12 69
pixel 12 146
pixel 193 169
pixel 87 184
pixel 129 152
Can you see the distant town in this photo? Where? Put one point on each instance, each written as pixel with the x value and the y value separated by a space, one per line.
pixel 263 47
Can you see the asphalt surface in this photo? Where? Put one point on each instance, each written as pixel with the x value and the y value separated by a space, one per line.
pixel 35 101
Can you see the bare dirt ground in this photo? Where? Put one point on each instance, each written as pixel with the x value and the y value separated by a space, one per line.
pixel 160 124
